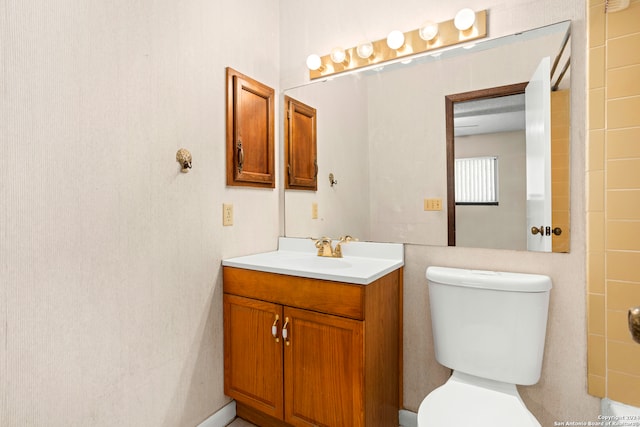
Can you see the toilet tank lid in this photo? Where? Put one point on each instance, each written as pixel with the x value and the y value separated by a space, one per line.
pixel 484 279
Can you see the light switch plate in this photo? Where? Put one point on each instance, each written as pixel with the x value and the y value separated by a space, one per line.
pixel 227 214
pixel 314 210
pixel 432 204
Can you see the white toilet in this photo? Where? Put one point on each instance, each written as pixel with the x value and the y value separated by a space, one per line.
pixel 489 327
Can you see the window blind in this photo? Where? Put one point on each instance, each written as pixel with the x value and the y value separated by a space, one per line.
pixel 476 180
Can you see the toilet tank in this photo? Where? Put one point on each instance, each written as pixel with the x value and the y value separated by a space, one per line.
pixel 489 324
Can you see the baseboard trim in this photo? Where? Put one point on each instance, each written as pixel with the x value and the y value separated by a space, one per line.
pixel 613 408
pixel 407 418
pixel 222 417
pixel 228 412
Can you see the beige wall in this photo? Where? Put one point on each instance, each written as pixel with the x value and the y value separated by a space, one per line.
pixel 110 293
pixel 561 394
pixel 110 288
pixel 496 227
pixel 614 200
pixel 342 150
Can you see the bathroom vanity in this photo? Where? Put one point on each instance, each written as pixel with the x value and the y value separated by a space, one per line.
pixel 314 341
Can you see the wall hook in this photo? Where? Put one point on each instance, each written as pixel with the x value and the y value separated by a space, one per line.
pixel 183 156
pixel 332 181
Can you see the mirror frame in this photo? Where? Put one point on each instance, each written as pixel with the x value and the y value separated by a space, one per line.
pixel 450 100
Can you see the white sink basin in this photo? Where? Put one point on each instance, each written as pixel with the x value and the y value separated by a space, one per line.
pixel 320 263
pixel 362 262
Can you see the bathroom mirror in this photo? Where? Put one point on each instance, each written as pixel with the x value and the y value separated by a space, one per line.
pixel 382 137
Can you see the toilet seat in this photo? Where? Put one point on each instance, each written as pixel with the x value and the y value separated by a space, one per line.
pixel 469 401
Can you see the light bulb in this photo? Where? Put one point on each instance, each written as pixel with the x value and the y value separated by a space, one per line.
pixel 428 31
pixel 465 18
pixel 313 62
pixel 395 39
pixel 364 50
pixel 338 55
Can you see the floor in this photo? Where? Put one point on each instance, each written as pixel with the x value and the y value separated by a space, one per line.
pixel 240 423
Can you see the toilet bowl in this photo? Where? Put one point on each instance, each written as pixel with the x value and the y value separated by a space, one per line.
pixel 468 401
pixel 489 328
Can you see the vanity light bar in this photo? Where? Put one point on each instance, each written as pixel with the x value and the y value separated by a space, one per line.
pixel 448 35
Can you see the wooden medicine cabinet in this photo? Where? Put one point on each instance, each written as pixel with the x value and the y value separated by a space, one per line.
pixel 300 146
pixel 250 132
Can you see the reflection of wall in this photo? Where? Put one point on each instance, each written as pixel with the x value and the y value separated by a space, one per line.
pixel 503 226
pixel 343 151
pixel 613 174
pixel 407 133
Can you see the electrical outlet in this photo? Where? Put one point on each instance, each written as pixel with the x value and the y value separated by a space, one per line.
pixel 314 210
pixel 227 214
pixel 432 204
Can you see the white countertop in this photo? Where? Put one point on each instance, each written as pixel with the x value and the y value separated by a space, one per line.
pixel 361 262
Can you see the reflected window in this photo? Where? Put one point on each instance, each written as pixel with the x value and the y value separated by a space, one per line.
pixel 476 180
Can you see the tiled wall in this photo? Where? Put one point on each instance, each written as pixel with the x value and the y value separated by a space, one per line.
pixel 613 200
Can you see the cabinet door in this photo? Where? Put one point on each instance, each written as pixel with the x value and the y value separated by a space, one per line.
pixel 324 378
pixel 253 356
pixel 250 132
pixel 300 146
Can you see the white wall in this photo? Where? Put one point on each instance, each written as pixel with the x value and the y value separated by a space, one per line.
pixel 342 148
pixel 110 284
pixel 408 132
pixel 502 226
pixel 110 290
pixel 561 393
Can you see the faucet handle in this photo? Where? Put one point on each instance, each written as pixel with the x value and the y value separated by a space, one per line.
pixel 343 239
pixel 321 240
pixel 324 246
pixel 318 239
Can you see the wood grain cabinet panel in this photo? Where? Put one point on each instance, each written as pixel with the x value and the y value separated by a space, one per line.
pixel 300 146
pixel 255 376
pixel 250 132
pixel 324 364
pixel 338 367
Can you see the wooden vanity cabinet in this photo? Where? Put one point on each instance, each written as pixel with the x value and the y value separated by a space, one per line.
pixel 338 365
